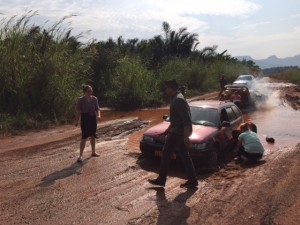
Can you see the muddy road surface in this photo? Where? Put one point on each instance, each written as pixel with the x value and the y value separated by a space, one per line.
pixel 41 183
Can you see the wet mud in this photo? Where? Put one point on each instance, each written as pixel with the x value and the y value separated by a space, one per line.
pixel 41 183
pixel 291 95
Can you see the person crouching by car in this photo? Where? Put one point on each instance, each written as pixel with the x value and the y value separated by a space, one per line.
pixel 249 145
pixel 235 134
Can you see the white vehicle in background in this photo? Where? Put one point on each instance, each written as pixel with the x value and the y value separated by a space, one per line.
pixel 250 82
pixel 245 80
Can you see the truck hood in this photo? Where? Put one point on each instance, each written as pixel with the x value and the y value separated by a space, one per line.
pixel 241 82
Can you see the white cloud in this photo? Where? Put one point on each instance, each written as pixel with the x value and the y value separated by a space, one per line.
pixel 249 27
pixel 141 15
pixel 294 16
pixel 259 47
pixel 212 7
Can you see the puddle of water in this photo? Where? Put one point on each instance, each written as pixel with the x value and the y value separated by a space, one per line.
pixel 152 115
pixel 282 123
pixel 274 118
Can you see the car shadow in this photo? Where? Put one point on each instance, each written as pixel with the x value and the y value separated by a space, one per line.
pixel 175 211
pixel 73 169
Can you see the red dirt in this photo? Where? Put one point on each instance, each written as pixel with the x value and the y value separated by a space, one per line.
pixel 291 95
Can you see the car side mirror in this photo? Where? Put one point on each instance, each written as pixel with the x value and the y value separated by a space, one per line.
pixel 225 124
pixel 165 117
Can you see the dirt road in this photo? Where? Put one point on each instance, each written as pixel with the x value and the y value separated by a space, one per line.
pixel 41 183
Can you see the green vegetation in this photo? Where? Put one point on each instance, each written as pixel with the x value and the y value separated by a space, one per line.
pixel 291 75
pixel 42 70
pixel 133 84
pixel 40 73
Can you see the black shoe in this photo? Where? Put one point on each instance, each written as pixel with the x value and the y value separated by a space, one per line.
pixel 156 182
pixel 189 184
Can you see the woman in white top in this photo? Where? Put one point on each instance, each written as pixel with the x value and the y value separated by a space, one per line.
pixel 249 144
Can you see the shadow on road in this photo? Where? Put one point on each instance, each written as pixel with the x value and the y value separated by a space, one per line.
pixel 253 164
pixel 61 174
pixel 175 211
pixel 152 164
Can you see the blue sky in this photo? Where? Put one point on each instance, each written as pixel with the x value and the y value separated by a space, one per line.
pixel 242 27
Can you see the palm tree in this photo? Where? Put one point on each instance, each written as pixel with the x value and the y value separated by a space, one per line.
pixel 207 53
pixel 180 43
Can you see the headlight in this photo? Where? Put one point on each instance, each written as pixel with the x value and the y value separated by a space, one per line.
pixel 199 146
pixel 147 138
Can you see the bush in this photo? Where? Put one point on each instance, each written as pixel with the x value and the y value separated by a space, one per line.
pixel 291 75
pixel 21 121
pixel 133 86
pixel 189 73
pixel 6 122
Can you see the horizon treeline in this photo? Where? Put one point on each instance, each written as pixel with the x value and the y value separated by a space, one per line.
pixel 42 70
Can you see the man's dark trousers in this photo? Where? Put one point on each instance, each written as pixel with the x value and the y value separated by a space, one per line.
pixel 175 141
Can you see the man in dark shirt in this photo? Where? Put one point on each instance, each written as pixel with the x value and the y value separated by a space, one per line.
pixel 222 82
pixel 177 137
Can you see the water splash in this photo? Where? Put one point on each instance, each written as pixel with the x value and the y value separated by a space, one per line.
pixel 267 93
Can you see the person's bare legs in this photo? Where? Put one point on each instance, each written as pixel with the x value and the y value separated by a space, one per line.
pixel 93 146
pixel 81 148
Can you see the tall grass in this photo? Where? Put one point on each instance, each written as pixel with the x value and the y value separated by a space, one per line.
pixel 199 76
pixel 291 75
pixel 187 72
pixel 41 69
pixel 133 85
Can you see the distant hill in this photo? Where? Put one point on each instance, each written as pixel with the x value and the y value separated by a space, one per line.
pixel 273 61
pixel 276 70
